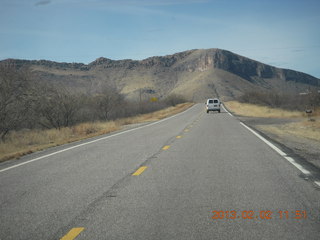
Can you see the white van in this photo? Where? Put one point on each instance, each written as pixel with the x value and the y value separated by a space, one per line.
pixel 213 104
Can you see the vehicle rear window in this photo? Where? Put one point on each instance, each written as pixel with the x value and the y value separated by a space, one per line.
pixel 216 101
pixel 210 101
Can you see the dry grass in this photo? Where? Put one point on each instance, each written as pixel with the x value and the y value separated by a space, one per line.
pixel 154 116
pixel 304 129
pixel 251 110
pixel 27 141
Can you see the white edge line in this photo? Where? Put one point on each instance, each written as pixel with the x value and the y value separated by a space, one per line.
pixel 297 165
pixel 317 182
pixel 227 111
pixel 281 153
pixel 265 140
pixel 93 141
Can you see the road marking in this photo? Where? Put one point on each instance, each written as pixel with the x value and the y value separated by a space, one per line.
pixel 227 110
pixel 93 141
pixel 72 234
pixel 139 171
pixel 281 153
pixel 317 182
pixel 265 140
pixel 178 137
pixel 186 130
pixel 166 147
pixel 297 165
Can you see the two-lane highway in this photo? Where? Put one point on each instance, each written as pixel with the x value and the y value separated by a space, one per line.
pixel 192 176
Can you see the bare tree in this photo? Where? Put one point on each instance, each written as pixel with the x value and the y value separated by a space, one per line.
pixel 108 100
pixel 58 108
pixel 14 99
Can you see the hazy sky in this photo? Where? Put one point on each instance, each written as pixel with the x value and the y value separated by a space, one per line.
pixel 283 33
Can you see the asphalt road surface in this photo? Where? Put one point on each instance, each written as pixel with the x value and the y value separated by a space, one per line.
pixel 191 176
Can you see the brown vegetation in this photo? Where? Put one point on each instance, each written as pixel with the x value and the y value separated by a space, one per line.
pixel 301 102
pixel 26 102
pixel 35 114
pixel 303 126
pixel 253 110
pixel 19 143
pixel 14 99
pixel 276 105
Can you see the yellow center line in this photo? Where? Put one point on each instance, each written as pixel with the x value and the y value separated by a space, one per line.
pixel 186 130
pixel 178 137
pixel 166 147
pixel 72 234
pixel 139 171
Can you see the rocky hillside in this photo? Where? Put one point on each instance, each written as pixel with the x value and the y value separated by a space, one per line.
pixel 196 74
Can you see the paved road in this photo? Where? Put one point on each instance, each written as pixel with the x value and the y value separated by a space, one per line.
pixel 193 176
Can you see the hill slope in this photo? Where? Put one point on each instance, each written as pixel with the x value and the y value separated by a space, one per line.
pixel 196 74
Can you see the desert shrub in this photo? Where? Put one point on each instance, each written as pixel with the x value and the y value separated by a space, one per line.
pixel 174 99
pixel 282 100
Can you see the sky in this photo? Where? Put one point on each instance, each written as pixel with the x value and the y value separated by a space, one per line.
pixel 282 33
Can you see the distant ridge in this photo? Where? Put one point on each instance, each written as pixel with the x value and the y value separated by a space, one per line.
pixel 196 74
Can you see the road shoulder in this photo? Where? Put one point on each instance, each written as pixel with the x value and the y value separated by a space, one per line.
pixel 307 149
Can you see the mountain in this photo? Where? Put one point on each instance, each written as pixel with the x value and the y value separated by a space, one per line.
pixel 196 74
